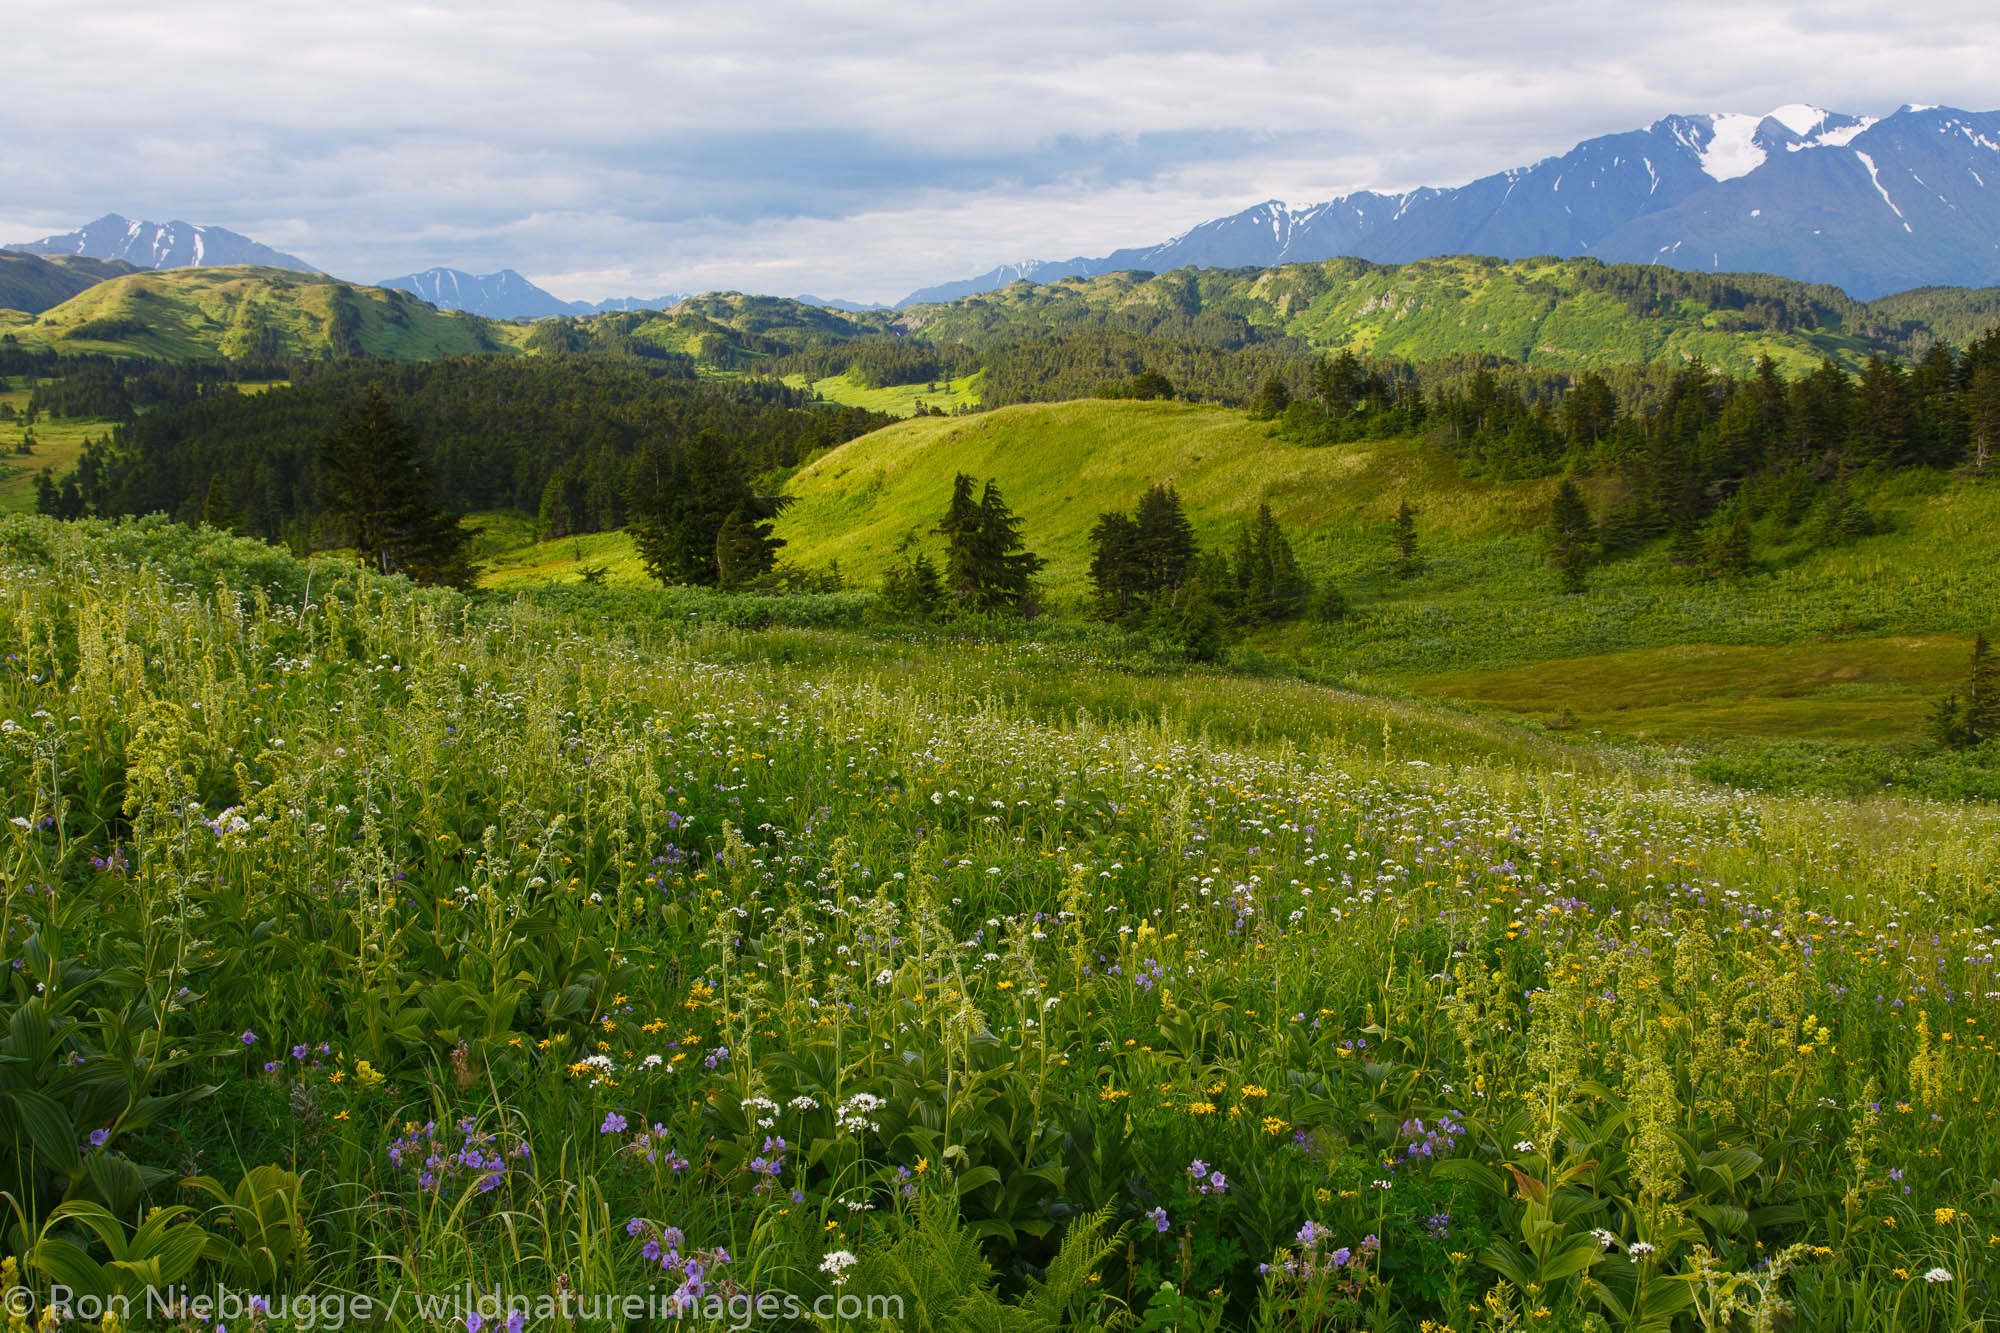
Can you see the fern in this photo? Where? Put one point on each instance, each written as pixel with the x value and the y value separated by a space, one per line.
pixel 938 1269
pixel 1085 1246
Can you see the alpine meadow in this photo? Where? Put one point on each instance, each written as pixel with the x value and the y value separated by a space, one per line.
pixel 1422 763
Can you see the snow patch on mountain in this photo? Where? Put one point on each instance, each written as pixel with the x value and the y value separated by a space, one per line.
pixel 174 244
pixel 1732 149
pixel 1771 193
pixel 1875 179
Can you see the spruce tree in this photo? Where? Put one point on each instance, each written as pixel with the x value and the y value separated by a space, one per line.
pixel 1271 585
pixel 1337 383
pixel 1837 517
pixel 1117 572
pixel 912 585
pixel 745 550
pixel 1165 541
pixel 960 529
pixel 1983 413
pixel 986 562
pixel 216 511
pixel 48 500
pixel 1960 721
pixel 1193 624
pixel 1007 568
pixel 1403 536
pixel 1982 693
pixel 697 520
pixel 1273 397
pixel 374 484
pixel 1728 551
pixel 1570 536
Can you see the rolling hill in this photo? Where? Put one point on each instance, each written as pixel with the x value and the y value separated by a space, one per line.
pixel 1562 313
pixel 1849 643
pixel 32 283
pixel 1843 642
pixel 249 312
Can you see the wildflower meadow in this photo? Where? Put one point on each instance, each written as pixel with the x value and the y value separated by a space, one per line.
pixel 500 967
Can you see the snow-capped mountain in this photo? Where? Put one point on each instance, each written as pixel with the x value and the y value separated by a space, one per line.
pixel 161 245
pixel 841 304
pixel 616 303
pixel 502 295
pixel 508 295
pixel 1873 206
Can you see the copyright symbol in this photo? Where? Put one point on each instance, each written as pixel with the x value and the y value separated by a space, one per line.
pixel 18 1301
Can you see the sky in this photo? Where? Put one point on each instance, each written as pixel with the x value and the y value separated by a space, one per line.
pixel 861 150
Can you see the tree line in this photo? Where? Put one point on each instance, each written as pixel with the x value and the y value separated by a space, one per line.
pixel 575 441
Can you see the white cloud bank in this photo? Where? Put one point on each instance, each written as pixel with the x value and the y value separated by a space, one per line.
pixel 629 148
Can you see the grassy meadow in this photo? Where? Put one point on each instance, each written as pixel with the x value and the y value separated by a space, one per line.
pixel 57 443
pixel 591 941
pixel 1841 646
pixel 900 400
pixel 246 311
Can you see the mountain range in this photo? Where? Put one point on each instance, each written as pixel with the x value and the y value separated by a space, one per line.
pixel 1869 205
pixel 161 245
pixel 508 295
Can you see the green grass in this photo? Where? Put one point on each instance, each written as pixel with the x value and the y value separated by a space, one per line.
pixel 1539 311
pixel 207 312
pixel 510 557
pixel 1848 644
pixel 58 442
pixel 1059 465
pixel 605 880
pixel 1855 689
pixel 1483 618
pixel 899 400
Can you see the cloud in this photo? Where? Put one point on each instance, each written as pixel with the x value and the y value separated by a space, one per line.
pixel 624 147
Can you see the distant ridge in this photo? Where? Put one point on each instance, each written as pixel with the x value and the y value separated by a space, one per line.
pixel 34 283
pixel 1872 206
pixel 508 295
pixel 160 245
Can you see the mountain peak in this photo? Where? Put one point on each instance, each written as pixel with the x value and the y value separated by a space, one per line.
pixel 176 244
pixel 1871 205
pixel 508 295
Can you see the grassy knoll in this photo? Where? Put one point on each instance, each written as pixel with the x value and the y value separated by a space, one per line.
pixel 568 944
pixel 1850 642
pixel 58 441
pixel 900 400
pixel 1840 642
pixel 247 311
pixel 1061 464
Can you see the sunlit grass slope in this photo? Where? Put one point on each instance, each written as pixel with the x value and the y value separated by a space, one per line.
pixel 1059 465
pixel 900 400
pixel 247 311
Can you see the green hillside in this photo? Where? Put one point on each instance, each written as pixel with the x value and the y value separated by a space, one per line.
pixel 1061 464
pixel 1230 327
pixel 250 312
pixel 1849 641
pixel 33 283
pixel 52 444
pixel 1562 313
